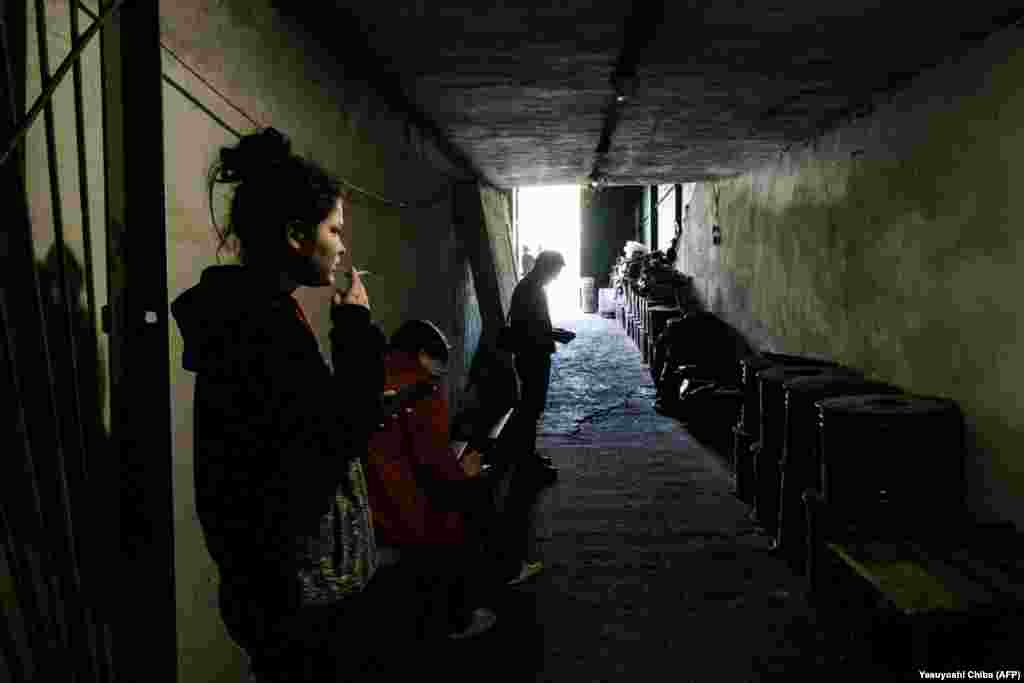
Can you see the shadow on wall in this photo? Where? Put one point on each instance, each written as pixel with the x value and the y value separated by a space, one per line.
pixel 31 578
pixel 80 394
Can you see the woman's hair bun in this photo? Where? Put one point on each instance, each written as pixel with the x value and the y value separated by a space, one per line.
pixel 254 156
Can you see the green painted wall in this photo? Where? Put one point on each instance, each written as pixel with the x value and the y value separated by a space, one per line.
pixel 609 221
pixel 893 245
pixel 646 217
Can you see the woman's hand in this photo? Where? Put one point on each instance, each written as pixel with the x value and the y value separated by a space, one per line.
pixel 472 463
pixel 355 294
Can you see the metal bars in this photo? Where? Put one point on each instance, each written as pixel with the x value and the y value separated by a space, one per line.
pixel 17 134
pixel 57 474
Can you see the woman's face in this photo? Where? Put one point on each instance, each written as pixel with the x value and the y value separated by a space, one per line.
pixel 320 252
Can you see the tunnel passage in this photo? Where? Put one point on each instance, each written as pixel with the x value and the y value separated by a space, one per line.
pixel 653 566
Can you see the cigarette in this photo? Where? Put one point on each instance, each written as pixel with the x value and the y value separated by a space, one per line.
pixel 362 273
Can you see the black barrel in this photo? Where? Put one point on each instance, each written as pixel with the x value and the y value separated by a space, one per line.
pixel 749 367
pixel 900 451
pixel 800 467
pixel 773 417
pixel 749 426
pixel 741 443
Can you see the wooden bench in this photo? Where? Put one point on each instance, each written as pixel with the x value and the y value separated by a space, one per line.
pixel 937 595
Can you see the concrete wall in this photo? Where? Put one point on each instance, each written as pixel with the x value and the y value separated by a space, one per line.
pixel 82 248
pixel 609 221
pixel 249 66
pixel 269 68
pixel 497 211
pixel 892 245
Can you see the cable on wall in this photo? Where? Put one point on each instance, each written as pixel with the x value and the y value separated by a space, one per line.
pixel 429 202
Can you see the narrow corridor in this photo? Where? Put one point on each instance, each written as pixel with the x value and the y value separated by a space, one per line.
pixel 655 573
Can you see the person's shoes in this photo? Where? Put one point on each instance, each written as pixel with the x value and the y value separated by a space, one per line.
pixel 483 620
pixel 544 475
pixel 527 572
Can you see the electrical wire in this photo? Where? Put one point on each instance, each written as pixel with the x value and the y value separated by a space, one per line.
pixel 76 52
pixel 55 80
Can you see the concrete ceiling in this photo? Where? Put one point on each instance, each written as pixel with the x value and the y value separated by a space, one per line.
pixel 527 91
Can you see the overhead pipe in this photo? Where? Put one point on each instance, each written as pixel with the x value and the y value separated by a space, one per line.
pixel 640 28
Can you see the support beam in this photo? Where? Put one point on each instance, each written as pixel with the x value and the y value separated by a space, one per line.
pixel 471 230
pixel 139 346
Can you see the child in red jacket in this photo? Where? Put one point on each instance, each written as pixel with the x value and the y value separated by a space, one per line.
pixel 422 536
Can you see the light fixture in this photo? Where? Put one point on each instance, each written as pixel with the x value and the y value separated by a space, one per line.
pixel 623 84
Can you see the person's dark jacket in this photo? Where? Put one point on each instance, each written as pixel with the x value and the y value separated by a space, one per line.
pixel 530 319
pixel 411 450
pixel 280 491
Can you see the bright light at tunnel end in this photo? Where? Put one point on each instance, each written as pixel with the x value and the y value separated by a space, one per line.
pixel 549 216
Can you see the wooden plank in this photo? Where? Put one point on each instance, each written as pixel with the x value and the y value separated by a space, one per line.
pixel 902 578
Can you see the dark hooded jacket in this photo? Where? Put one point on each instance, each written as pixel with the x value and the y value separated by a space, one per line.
pixel 280 491
pixel 529 317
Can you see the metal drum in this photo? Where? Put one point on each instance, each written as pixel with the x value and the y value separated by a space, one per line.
pixel 659 317
pixel 588 294
pixel 902 451
pixel 749 426
pixel 749 367
pixel 773 418
pixel 800 467
pixel 741 443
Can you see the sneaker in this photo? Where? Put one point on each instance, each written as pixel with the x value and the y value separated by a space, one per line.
pixel 483 620
pixel 528 571
pixel 544 476
pixel 544 460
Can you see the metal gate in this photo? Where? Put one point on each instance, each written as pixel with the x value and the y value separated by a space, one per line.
pixel 86 519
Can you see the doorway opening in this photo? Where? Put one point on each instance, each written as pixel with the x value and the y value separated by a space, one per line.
pixel 549 220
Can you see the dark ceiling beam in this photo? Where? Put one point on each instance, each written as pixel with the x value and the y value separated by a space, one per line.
pixel 639 31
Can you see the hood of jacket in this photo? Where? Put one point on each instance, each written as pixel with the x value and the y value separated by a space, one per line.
pixel 227 303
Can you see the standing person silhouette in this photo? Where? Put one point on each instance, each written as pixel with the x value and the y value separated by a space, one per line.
pixel 527 261
pixel 279 438
pixel 535 342
pixel 423 496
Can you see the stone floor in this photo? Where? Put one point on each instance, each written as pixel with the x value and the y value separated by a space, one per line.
pixel 654 570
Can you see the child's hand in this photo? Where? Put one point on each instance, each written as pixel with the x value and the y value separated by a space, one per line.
pixel 472 462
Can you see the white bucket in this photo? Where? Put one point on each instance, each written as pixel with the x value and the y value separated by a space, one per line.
pixel 588 294
pixel 606 301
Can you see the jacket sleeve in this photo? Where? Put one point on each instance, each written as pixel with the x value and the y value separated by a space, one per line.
pixel 430 447
pixel 357 353
pixel 323 437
